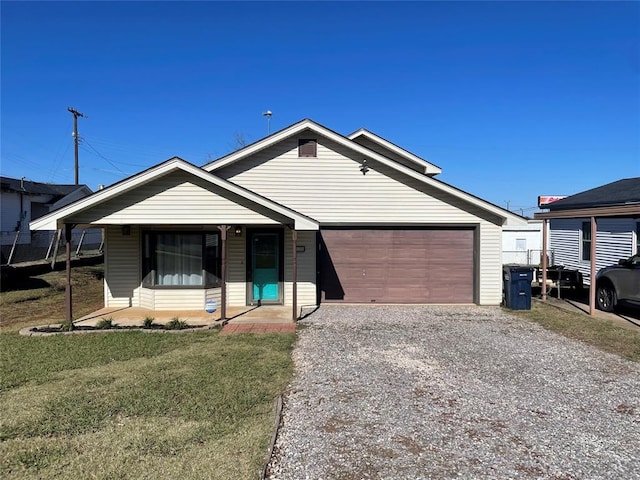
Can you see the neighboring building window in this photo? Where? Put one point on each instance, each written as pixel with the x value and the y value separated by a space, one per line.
pixel 181 259
pixel 521 243
pixel 638 238
pixel 307 148
pixel 586 240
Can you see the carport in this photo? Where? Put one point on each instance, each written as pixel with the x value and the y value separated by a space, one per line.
pixel 593 214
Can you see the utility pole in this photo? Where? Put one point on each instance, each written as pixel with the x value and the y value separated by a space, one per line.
pixel 76 114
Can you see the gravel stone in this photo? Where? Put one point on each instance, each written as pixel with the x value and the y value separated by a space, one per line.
pixel 421 392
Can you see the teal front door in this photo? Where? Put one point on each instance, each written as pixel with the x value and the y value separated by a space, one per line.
pixel 265 262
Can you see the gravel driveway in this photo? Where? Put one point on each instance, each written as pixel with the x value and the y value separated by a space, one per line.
pixel 453 392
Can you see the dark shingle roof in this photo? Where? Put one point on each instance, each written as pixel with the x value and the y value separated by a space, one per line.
pixel 36 188
pixel 621 192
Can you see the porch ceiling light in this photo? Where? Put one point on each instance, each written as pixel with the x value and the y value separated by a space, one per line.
pixel 238 231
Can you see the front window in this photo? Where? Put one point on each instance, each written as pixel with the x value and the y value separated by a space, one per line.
pixel 181 259
pixel 638 238
pixel 586 241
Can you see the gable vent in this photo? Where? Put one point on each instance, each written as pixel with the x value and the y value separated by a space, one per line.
pixel 307 147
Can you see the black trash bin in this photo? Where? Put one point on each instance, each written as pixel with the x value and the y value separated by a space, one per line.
pixel 517 287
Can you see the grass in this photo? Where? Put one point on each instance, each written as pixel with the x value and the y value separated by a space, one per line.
pixel 135 404
pixel 602 334
pixel 41 299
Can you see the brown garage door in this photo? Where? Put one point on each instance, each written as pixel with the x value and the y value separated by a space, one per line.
pixel 397 266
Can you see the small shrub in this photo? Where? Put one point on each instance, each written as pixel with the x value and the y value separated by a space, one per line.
pixel 66 326
pixel 176 324
pixel 105 323
pixel 148 322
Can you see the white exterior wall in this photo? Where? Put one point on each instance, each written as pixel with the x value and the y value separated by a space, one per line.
pixel 11 214
pixel 122 268
pixel 615 240
pixel 306 269
pixel 332 189
pixel 531 234
pixel 236 269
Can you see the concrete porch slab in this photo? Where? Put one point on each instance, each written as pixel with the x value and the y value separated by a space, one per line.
pixel 135 316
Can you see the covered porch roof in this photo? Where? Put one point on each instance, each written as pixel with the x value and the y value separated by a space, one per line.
pixel 126 202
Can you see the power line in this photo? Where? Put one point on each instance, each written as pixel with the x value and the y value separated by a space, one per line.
pixel 102 156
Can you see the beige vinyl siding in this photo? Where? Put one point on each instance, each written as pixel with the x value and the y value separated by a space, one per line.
pixel 147 298
pixel 332 190
pixel 178 199
pixel 183 298
pixel 122 268
pixel 236 269
pixel 490 264
pixel 306 269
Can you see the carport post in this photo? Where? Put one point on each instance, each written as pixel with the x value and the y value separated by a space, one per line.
pixel 223 273
pixel 294 278
pixel 68 228
pixel 544 260
pixel 592 286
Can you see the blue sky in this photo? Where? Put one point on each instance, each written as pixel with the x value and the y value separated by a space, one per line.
pixel 511 99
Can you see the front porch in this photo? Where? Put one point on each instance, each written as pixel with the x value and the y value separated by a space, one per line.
pixel 135 316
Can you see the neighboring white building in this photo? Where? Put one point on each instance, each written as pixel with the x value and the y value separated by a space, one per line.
pixel 614 207
pixel 312 216
pixel 522 244
pixel 23 201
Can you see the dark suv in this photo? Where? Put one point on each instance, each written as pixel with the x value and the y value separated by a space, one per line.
pixel 619 283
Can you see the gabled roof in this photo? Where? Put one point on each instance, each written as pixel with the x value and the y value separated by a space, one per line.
pixel 17 185
pixel 621 192
pixel 308 124
pixel 385 147
pixel 51 220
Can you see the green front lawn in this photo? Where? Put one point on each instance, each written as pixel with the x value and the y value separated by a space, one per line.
pixel 138 405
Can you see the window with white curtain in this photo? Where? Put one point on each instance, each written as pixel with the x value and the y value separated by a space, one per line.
pixel 181 259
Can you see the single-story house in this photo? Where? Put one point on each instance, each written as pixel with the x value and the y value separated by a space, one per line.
pixel 22 201
pixel 301 217
pixel 595 228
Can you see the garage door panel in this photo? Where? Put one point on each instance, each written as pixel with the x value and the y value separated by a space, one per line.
pixel 399 266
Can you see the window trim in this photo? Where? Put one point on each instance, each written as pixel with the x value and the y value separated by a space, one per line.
pixel 585 240
pixel 148 267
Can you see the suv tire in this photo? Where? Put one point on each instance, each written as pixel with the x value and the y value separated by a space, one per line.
pixel 606 298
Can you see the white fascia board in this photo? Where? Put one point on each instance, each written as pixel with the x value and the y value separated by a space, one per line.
pixel 53 220
pixel 509 218
pixel 427 167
